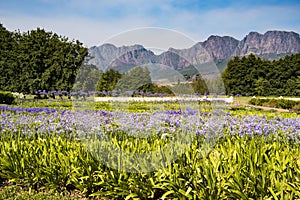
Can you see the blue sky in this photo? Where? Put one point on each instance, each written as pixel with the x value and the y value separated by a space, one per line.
pixel 95 21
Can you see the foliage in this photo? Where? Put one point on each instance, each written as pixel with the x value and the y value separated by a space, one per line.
pixel 215 85
pixel 199 85
pixel 276 103
pixel 254 76
pixel 182 88
pixel 108 80
pixel 87 78
pixel 38 60
pixel 134 83
pixel 14 192
pixel 162 90
pixel 255 157
pixel 238 168
pixel 155 89
pixel 6 98
pixel 134 79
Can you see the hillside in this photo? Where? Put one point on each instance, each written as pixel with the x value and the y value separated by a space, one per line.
pixel 203 56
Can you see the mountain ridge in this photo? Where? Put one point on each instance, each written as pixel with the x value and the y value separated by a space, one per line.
pixel 218 49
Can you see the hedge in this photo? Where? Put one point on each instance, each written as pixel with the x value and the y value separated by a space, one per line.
pixel 6 97
pixel 275 103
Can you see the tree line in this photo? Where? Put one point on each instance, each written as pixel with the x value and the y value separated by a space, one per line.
pixel 252 75
pixel 45 61
pixel 38 60
pixel 41 60
pixel 137 81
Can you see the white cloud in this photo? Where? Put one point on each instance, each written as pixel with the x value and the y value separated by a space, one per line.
pixel 198 25
pixel 87 31
pixel 236 22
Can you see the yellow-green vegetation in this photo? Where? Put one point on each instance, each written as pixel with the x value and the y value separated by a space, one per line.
pixel 131 106
pixel 237 168
pixel 275 103
pixel 54 152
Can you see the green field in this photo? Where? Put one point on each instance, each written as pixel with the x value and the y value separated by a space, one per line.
pixel 55 150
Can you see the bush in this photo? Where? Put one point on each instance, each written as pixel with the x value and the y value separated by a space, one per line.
pixel 275 103
pixel 296 108
pixel 6 97
pixel 287 104
pixel 258 102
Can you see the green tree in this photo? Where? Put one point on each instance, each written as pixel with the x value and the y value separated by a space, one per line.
pixel 38 59
pixel 87 78
pixel 8 65
pixel 153 88
pixel 231 75
pixel 199 85
pixel 262 87
pixel 183 88
pixel 298 86
pixel 215 85
pixel 262 77
pixel 134 79
pixel 90 84
pixel 108 80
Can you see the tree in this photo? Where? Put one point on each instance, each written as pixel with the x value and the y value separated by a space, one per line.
pixel 8 65
pixel 39 60
pixel 199 85
pixel 87 78
pixel 298 86
pixel 90 84
pixel 215 85
pixel 253 76
pixel 108 80
pixel 134 79
pixel 262 87
pixel 231 75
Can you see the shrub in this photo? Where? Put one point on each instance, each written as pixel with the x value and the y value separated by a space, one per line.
pixel 275 103
pixel 296 108
pixel 6 97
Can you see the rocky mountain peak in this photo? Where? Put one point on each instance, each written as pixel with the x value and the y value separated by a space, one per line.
pixel 109 56
pixel 217 49
pixel 220 47
pixel 272 42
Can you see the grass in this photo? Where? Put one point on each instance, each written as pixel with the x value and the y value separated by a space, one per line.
pixel 130 106
pixel 237 167
pixel 251 167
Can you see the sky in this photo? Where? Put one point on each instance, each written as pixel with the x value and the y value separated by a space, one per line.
pixel 95 22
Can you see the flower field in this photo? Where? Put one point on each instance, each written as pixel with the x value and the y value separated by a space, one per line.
pixel 154 153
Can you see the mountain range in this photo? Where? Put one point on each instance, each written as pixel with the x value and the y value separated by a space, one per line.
pixel 212 53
